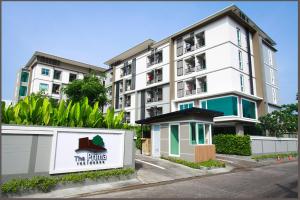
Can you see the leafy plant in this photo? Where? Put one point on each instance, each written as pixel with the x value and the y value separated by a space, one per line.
pixel 196 165
pixel 38 110
pixel 232 144
pixel 279 122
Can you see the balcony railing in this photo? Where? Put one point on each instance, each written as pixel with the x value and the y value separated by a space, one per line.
pixel 127 104
pixel 189 70
pixel 179 71
pixel 158 78
pixel 201 90
pixel 200 44
pixel 154 99
pixel 189 49
pixel 190 92
pixel 180 94
pixel 155 61
pixel 200 68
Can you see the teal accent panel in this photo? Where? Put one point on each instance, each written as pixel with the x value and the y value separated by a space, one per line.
pixel 193 133
pixel 181 107
pixel 201 134
pixel 248 109
pixel 227 105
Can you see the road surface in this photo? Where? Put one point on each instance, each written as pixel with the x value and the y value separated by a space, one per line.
pixel 278 180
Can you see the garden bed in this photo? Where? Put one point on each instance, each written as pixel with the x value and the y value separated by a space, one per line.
pixel 37 184
pixel 210 164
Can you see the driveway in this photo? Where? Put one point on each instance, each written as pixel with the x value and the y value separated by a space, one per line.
pixel 152 170
pixel 275 181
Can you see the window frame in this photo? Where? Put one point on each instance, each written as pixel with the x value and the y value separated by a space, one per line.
pixel 238 34
pixel 274 95
pixel 186 103
pixel 60 76
pixel 44 84
pixel 242 83
pixel 240 54
pixel 43 69
pixel 196 133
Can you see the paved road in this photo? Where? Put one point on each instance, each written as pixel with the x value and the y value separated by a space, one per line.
pixel 278 180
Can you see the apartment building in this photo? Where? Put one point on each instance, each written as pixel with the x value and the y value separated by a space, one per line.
pixel 49 73
pixel 224 63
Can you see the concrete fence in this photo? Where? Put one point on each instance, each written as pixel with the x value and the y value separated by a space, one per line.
pixel 28 151
pixel 269 145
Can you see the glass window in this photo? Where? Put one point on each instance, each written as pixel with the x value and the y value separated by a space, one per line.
pixel 272 76
pixel 227 105
pixel 270 57
pixel 238 33
pixel 24 76
pixel 242 82
pixel 193 133
pixel 186 105
pixel 179 68
pixel 55 88
pixel 203 105
pixel 72 77
pixel 274 95
pixel 45 72
pixel 57 74
pixel 249 110
pixel 23 91
pixel 44 87
pixel 201 133
pixel 240 60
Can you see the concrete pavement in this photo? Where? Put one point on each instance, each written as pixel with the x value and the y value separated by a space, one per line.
pixel 277 180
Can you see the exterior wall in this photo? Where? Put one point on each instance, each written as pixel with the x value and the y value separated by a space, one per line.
pixel 269 145
pixel 164 139
pixel 26 150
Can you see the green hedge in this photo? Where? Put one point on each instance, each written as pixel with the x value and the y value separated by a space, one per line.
pixel 47 183
pixel 233 144
pixel 275 156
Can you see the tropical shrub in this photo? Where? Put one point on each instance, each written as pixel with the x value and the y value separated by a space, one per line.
pixel 38 110
pixel 232 144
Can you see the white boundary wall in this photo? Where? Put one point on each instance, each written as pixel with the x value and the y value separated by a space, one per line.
pixel 39 150
pixel 268 145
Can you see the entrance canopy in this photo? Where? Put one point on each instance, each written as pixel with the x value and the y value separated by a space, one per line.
pixel 183 115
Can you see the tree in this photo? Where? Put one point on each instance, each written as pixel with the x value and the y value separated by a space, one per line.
pixel 279 122
pixel 90 86
pixel 97 140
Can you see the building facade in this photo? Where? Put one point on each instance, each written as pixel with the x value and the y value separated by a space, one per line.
pixel 224 63
pixel 48 73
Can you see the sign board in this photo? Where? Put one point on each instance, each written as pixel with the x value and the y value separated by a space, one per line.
pixel 84 151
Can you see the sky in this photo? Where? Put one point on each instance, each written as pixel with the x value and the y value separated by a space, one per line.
pixel 93 32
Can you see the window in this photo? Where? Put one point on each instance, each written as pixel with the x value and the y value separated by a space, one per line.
pixel 242 82
pixel 179 68
pixel 197 133
pixel 57 74
pixel 179 47
pixel 24 76
pixel 127 117
pixel 180 89
pixel 240 60
pixel 272 76
pixel 238 33
pixel 183 106
pixel 200 37
pixel 55 88
pixel 23 91
pixel 127 100
pixel 45 72
pixel 249 109
pixel 72 77
pixel 227 105
pixel 44 87
pixel 270 57
pixel 274 95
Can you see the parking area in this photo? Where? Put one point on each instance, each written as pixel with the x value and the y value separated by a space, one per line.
pixel 152 170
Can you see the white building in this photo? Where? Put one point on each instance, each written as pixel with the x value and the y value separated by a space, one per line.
pixel 48 73
pixel 224 63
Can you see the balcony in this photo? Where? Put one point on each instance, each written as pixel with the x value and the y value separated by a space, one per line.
pixel 154 111
pixel 200 39
pixel 127 117
pixel 202 82
pixel 154 76
pixel 192 87
pixel 189 65
pixel 201 62
pixel 154 58
pixel 189 43
pixel 128 85
pixel 154 95
pixel 126 70
pixel 190 92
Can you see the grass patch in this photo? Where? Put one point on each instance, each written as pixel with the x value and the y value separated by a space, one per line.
pixel 47 183
pixel 196 165
pixel 281 155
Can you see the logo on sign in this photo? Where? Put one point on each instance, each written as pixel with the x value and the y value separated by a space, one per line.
pixel 91 152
